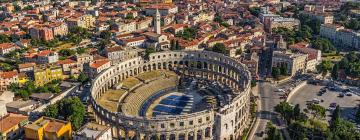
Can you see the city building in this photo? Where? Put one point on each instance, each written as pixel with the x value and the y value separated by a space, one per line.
pixel 67 65
pixel 289 23
pixel 340 36
pixel 294 62
pixel 44 74
pixel 59 29
pixel 164 9
pixel 22 107
pixel 93 131
pixel 314 55
pixel 84 21
pixel 48 129
pixel 26 67
pixel 7 78
pixel 5 97
pixel 6 48
pixel 11 126
pixel 133 42
pixel 96 67
pixel 47 56
pixel 43 33
pixel 119 54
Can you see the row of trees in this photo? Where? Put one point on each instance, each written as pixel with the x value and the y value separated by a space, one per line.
pixel 279 71
pixel 70 109
pixel 350 63
pixel 301 127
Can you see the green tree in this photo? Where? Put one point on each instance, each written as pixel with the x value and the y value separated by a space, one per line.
pixel 149 51
pixel 283 70
pixel 272 132
pixel 105 35
pixel 129 16
pixel 297 112
pixel 219 48
pixel 28 7
pixel 323 44
pixel 324 67
pixel 317 110
pixel 285 110
pixel 66 52
pixel 188 33
pixel 177 45
pixel 353 24
pixel 71 109
pixel 275 72
pixel 334 71
pixel 52 111
pixel 357 115
pixel 83 78
pixel 4 38
pixel 298 131
pixel 80 50
pixel 254 11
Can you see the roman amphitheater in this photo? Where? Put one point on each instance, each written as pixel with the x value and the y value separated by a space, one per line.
pixel 187 95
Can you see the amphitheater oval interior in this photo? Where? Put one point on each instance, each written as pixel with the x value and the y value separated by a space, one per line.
pixel 185 95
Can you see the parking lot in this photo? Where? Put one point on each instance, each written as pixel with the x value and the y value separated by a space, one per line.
pixel 310 92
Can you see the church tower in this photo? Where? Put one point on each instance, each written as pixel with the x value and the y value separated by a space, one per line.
pixel 157 22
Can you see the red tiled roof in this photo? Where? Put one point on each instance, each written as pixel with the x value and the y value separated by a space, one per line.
pixel 54 126
pixel 44 53
pixel 10 121
pixel 26 65
pixel 66 61
pixel 4 46
pixel 99 63
pixel 8 75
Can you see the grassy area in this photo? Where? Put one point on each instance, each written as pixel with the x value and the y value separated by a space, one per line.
pixel 149 75
pixel 334 58
pixel 110 99
pixel 63 45
pixel 130 82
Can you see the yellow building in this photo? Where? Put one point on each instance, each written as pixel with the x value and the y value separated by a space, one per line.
pixel 22 78
pixel 44 74
pixel 49 129
pixel 84 21
pixel 11 125
pixel 88 21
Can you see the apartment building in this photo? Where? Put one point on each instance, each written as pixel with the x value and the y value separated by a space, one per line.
pixel 44 74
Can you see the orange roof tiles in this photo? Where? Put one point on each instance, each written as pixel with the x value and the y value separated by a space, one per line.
pixel 10 121
pixel 66 61
pixel 54 126
pixel 4 46
pixel 8 75
pixel 99 63
pixel 162 6
pixel 44 53
pixel 26 65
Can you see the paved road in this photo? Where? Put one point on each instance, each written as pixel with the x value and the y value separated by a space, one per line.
pixel 269 99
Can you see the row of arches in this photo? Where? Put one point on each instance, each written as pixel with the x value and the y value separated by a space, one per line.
pixel 236 78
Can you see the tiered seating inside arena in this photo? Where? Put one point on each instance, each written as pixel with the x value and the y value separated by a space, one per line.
pixel 110 100
pixel 130 82
pixel 149 75
pixel 136 98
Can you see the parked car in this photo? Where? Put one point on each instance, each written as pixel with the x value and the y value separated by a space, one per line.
pixel 316 101
pixel 341 95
